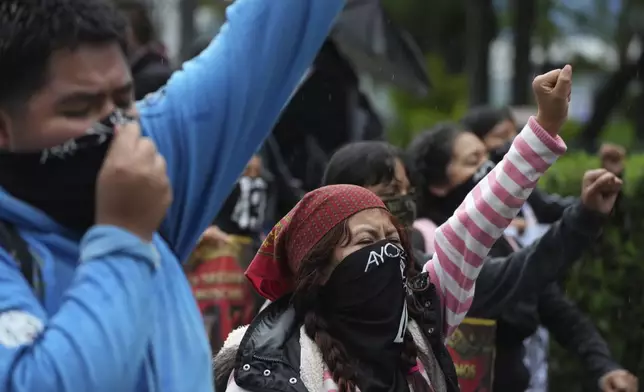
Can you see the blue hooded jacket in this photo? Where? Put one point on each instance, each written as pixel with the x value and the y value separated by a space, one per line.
pixel 118 314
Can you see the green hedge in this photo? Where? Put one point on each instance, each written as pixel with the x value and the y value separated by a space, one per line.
pixel 608 283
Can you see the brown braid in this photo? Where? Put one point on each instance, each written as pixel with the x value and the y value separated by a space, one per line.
pixel 311 275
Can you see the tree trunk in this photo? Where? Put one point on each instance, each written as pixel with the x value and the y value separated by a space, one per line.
pixel 605 102
pixel 525 15
pixel 480 30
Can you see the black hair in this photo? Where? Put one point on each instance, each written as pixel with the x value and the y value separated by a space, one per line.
pixel 32 30
pixel 429 153
pixel 365 163
pixel 481 120
pixel 138 16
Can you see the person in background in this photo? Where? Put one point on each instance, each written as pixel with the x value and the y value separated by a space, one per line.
pixel 446 160
pixel 216 267
pixel 106 215
pixel 244 211
pixel 496 129
pixel 149 63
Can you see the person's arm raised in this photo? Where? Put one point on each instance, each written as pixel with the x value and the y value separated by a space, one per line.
pixel 214 114
pixel 462 242
pixel 508 279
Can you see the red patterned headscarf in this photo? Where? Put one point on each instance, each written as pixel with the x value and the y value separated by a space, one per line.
pixel 272 271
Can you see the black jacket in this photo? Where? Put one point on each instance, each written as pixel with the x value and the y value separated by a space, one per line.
pixel 508 276
pixel 268 357
pixel 567 325
pixel 548 208
pixel 523 283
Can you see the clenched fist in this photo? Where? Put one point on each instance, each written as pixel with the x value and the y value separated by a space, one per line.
pixel 612 157
pixel 599 190
pixel 133 190
pixel 619 381
pixel 552 93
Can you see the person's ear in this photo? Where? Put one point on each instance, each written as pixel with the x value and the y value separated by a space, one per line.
pixel 439 191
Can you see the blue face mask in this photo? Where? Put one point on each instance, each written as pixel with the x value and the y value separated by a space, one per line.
pixel 61 181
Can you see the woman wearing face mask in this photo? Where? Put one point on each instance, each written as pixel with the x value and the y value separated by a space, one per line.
pixel 380 167
pixel 449 162
pixel 350 311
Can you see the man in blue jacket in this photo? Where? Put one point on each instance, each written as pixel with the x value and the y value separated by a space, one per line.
pixel 109 308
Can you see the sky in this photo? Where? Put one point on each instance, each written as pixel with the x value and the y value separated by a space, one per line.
pixel 588 7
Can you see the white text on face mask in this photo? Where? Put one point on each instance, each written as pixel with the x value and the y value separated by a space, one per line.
pixel 377 258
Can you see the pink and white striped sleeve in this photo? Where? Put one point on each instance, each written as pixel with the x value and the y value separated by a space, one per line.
pixel 464 240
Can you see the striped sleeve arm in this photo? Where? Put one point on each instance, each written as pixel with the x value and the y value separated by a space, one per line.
pixel 464 240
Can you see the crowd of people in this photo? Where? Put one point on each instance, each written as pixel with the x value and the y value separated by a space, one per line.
pixel 134 248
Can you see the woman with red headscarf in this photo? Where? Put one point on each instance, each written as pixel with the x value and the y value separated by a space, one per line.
pixel 350 310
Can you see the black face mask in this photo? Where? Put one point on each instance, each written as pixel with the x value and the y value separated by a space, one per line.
pixel 497 154
pixel 403 207
pixel 364 305
pixel 61 181
pixel 449 203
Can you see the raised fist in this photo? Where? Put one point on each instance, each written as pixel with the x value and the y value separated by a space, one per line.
pixel 599 190
pixel 612 157
pixel 552 93
pixel 619 381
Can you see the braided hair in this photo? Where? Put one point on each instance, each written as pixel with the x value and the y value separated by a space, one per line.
pixel 310 277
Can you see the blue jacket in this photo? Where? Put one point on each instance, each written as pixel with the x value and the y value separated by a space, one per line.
pixel 118 314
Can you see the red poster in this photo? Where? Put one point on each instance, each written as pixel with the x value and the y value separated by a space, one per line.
pixel 472 347
pixel 223 293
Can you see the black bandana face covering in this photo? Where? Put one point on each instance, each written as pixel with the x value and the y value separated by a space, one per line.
pixel 364 305
pixel 403 207
pixel 497 154
pixel 455 197
pixel 61 181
